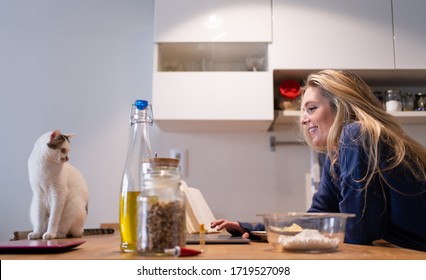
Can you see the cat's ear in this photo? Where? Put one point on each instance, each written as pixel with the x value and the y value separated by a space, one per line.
pixel 69 135
pixel 55 134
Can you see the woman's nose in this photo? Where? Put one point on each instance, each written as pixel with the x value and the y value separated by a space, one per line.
pixel 304 119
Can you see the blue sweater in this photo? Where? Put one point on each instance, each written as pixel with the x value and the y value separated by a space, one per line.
pixel 396 214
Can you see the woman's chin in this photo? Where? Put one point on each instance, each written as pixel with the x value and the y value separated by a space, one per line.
pixel 320 146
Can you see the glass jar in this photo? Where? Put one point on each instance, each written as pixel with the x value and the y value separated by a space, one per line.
pixel 393 100
pixel 407 101
pixel 421 101
pixel 161 209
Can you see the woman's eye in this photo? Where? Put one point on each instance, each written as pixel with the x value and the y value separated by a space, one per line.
pixel 63 151
pixel 310 109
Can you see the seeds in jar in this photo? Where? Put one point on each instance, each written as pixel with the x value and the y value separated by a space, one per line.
pixel 162 225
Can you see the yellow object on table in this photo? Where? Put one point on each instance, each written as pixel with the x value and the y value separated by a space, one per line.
pixel 202 237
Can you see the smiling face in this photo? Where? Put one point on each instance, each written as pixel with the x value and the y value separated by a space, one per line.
pixel 317 116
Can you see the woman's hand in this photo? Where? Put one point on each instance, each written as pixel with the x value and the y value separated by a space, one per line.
pixel 229 225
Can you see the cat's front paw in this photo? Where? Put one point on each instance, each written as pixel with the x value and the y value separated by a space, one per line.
pixel 48 235
pixel 34 235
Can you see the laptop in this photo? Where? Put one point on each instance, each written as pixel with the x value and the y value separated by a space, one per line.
pixel 216 239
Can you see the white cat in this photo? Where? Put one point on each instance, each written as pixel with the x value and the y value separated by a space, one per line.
pixel 60 195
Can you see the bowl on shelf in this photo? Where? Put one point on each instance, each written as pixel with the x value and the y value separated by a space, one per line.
pixel 310 232
pixel 289 95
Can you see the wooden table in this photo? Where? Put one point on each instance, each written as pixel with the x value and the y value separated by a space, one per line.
pixel 106 247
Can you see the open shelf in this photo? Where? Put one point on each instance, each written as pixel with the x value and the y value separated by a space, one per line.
pixel 183 57
pixel 289 117
pixel 408 80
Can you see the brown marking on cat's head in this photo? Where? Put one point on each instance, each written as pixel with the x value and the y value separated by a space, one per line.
pixel 61 143
pixel 57 139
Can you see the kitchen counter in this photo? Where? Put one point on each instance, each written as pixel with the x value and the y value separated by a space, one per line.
pixel 106 247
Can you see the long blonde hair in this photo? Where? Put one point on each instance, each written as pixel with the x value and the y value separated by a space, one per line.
pixel 352 100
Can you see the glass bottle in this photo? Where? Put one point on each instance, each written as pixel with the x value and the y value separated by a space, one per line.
pixel 161 209
pixel 139 152
pixel 393 100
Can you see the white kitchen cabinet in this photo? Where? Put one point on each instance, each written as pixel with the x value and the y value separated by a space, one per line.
pixel 213 21
pixel 312 34
pixel 218 63
pixel 213 101
pixel 211 69
pixel 409 28
pixel 212 87
pixel 355 35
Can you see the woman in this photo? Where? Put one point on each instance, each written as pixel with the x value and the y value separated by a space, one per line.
pixel 373 169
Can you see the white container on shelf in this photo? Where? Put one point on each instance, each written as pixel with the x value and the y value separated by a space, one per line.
pixel 393 100
pixel 393 106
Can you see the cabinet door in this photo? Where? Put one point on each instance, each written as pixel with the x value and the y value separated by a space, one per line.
pixel 213 21
pixel 213 101
pixel 410 40
pixel 312 34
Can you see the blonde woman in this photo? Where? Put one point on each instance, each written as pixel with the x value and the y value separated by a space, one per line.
pixel 373 169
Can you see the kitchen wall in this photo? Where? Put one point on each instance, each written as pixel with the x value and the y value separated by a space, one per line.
pixel 78 65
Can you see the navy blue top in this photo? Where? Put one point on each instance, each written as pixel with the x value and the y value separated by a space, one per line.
pixel 393 209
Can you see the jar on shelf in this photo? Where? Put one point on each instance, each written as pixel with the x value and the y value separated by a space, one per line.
pixel 420 101
pixel 161 208
pixel 393 100
pixel 407 101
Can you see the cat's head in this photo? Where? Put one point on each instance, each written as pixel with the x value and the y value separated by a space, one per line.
pixel 58 145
